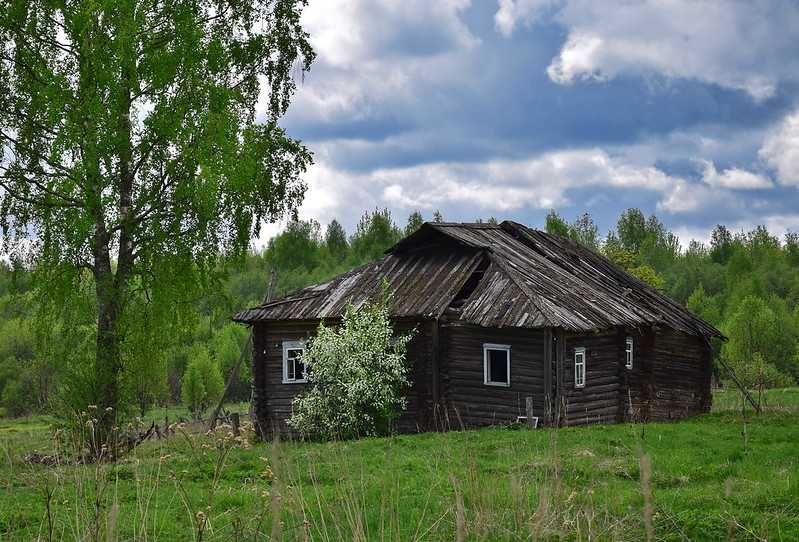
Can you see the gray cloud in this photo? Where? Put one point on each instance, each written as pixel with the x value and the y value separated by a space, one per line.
pixel 739 45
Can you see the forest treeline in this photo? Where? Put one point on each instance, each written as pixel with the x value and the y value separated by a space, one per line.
pixel 745 283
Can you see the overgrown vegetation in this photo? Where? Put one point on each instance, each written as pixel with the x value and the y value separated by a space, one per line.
pixel 202 382
pixel 744 283
pixel 721 476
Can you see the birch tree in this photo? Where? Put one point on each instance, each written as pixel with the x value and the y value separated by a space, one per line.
pixel 140 140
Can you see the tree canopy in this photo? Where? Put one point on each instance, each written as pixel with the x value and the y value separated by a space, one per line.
pixel 133 151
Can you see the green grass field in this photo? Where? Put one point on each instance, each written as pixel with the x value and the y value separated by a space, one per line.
pixel 720 476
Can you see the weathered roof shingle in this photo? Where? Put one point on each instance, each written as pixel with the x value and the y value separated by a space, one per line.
pixel 528 278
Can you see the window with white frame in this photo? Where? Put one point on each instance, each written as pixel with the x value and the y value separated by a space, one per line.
pixel 628 353
pixel 496 364
pixel 579 367
pixel 293 366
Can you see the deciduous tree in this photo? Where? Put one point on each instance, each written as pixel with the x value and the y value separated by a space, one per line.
pixel 202 382
pixel 336 241
pixel 132 152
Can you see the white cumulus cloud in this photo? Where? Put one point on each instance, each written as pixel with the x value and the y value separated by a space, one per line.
pixel 348 32
pixel 780 150
pixel 372 52
pixel 733 178
pixel 513 12
pixel 501 186
pixel 739 45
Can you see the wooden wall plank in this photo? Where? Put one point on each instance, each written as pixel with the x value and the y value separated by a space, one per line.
pixel 598 401
pixel 469 401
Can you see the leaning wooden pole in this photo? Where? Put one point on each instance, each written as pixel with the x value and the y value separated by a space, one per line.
pixel 244 350
pixel 740 385
pixel 734 378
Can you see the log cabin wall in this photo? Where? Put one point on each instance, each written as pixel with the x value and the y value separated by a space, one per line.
pixel 680 376
pixel 636 382
pixel 599 400
pixel 273 399
pixel 467 400
pixel 271 396
pixel 670 378
pixel 259 403
pixel 418 415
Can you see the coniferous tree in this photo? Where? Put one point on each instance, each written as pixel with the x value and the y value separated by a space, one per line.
pixel 720 244
pixel 792 248
pixel 585 231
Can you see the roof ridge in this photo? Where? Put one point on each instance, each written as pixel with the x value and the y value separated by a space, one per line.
pixel 487 225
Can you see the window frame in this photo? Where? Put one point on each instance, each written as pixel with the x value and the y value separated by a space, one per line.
pixel 580 351
pixel 486 372
pixel 292 345
pixel 629 352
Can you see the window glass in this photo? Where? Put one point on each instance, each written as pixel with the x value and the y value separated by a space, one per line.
pixel 293 367
pixel 579 367
pixel 296 367
pixel 496 364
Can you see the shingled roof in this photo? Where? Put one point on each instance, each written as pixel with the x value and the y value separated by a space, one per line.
pixel 493 275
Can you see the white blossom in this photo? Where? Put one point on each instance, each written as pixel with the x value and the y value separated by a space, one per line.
pixel 356 372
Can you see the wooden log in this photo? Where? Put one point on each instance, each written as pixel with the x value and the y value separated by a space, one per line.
pixel 236 423
pixel 435 362
pixel 548 398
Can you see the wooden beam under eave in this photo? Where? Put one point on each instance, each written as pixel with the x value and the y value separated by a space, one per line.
pixel 549 400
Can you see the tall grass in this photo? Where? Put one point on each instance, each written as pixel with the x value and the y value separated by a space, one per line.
pixel 690 480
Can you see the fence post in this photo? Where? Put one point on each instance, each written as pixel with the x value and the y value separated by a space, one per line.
pixel 529 410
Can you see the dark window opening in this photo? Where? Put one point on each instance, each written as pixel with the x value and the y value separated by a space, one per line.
pixel 296 367
pixel 498 365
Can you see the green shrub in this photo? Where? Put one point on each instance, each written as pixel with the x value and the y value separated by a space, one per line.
pixel 226 345
pixel 18 398
pixel 202 382
pixel 757 373
pixel 356 374
pixel 761 327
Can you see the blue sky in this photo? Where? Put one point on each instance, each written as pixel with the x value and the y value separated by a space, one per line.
pixel 509 108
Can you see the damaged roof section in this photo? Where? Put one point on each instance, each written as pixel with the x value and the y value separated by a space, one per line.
pixel 504 275
pixel 423 282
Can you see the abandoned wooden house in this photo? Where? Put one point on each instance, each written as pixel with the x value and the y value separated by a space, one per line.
pixel 507 318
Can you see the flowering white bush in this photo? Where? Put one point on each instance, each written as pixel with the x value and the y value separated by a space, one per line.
pixel 356 373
